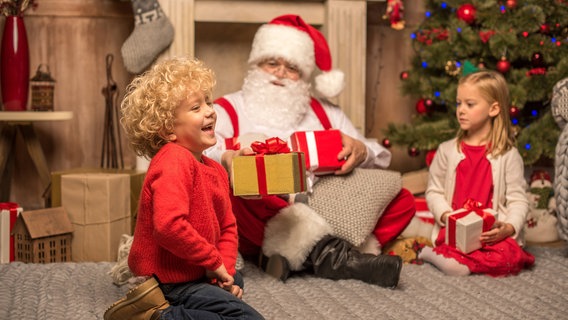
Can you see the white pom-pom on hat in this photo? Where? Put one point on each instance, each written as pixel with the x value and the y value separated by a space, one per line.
pixel 289 37
pixel 330 84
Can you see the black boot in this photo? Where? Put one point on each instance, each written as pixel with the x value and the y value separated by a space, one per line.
pixel 336 259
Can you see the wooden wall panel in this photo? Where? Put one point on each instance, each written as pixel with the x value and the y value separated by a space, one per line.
pixel 73 38
pixel 389 52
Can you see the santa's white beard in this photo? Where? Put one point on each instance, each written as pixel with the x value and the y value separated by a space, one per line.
pixel 279 107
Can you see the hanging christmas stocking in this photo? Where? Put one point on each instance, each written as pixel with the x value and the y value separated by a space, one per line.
pixel 153 33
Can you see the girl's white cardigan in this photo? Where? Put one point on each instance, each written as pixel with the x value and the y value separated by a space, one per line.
pixel 509 186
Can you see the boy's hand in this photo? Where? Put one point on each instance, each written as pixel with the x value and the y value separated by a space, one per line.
pixel 236 291
pixel 221 277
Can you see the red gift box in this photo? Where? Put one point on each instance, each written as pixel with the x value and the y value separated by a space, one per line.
pixel 320 148
pixel 464 226
pixel 9 212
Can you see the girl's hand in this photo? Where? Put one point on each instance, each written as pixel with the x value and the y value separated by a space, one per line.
pixel 354 151
pixel 500 231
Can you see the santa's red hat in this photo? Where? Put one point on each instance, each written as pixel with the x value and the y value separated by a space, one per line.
pixel 289 37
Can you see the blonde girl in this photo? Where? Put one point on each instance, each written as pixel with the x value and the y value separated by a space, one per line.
pixel 481 164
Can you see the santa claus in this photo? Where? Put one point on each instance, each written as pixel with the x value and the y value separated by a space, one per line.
pixel 276 100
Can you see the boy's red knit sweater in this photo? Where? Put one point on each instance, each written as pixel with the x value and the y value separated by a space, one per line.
pixel 185 223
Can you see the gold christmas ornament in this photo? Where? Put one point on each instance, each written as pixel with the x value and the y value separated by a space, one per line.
pixel 452 68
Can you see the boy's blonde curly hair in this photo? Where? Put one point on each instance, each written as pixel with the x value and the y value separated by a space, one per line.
pixel 148 108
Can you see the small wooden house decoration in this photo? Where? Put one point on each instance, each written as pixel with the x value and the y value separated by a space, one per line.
pixel 43 236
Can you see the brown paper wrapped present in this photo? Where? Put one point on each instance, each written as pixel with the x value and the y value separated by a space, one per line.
pixel 98 205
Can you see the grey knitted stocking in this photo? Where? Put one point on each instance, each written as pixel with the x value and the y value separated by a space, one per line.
pixel 559 108
pixel 153 33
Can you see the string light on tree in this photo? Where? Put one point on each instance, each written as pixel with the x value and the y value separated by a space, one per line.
pixel 537 60
pixel 429 104
pixel 514 112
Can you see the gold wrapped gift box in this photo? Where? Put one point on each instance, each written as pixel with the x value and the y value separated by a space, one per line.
pixel 268 174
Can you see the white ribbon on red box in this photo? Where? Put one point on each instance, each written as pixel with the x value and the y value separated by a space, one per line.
pixel 312 154
pixel 322 159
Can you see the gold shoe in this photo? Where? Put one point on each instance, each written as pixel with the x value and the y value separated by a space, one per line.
pixel 140 303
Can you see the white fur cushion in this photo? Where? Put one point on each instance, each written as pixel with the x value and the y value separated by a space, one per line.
pixel 352 204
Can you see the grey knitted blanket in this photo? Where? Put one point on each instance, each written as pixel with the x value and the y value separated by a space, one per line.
pixel 82 291
pixel 559 108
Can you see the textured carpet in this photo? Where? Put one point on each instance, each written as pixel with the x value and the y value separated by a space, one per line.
pixel 83 292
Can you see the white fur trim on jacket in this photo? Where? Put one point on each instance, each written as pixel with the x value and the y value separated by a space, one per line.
pixel 330 84
pixel 278 41
pixel 293 233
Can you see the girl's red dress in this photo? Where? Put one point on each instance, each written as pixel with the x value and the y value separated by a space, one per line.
pixel 474 181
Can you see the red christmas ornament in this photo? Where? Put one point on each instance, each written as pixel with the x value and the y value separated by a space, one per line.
pixel 511 4
pixel 514 112
pixel 536 71
pixel 387 143
pixel 466 12
pixel 404 75
pixel 413 152
pixel 421 107
pixel 503 65
pixel 545 29
pixel 430 156
pixel 525 34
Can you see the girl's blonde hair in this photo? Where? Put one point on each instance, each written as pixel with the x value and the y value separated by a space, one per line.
pixel 148 108
pixel 493 88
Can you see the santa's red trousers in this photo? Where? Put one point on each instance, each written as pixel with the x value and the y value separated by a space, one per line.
pixel 252 215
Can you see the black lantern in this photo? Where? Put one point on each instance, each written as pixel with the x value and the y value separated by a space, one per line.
pixel 42 87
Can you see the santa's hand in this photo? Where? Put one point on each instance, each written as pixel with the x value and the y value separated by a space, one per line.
pixel 354 152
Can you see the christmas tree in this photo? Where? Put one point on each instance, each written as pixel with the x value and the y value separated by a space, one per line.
pixel 525 40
